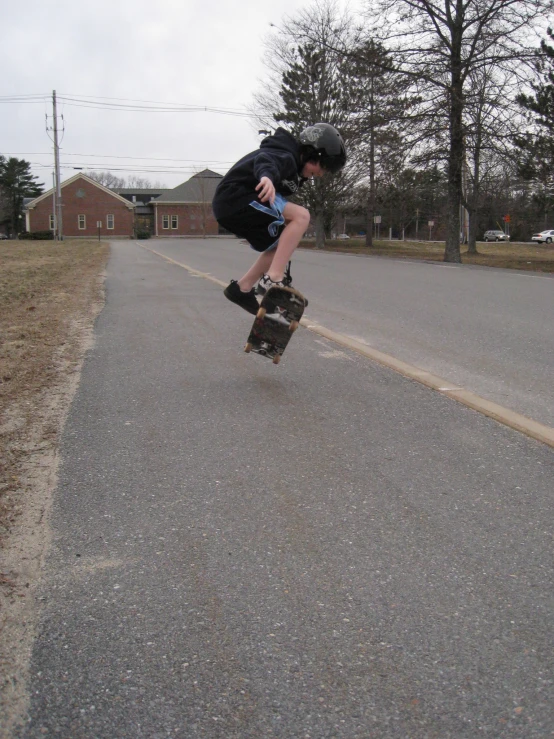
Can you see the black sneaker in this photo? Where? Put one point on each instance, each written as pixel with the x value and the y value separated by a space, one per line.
pixel 246 300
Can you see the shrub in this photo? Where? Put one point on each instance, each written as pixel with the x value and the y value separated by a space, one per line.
pixel 37 235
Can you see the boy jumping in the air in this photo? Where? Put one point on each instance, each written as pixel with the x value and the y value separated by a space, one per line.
pixel 250 201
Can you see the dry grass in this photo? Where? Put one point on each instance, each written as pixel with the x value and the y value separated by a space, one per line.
pixel 539 258
pixel 46 291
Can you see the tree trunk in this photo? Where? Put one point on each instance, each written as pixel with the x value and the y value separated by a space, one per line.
pixel 455 165
pixel 319 230
pixel 472 237
pixel 370 214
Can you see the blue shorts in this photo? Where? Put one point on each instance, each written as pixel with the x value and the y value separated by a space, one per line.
pixel 259 223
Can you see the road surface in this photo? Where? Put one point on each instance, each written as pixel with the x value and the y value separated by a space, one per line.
pixel 318 549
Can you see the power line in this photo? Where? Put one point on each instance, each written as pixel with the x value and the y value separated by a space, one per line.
pixel 128 105
pixel 117 156
pixel 134 170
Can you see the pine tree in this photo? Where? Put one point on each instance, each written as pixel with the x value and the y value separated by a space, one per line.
pixel 311 91
pixel 536 146
pixel 17 183
pixel 379 100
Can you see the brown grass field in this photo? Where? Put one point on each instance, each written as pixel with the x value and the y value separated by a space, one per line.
pixel 47 294
pixel 535 257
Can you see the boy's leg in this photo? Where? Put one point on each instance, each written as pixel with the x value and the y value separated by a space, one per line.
pixel 298 220
pixel 274 261
pixel 257 270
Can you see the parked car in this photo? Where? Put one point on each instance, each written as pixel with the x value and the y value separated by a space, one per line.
pixel 546 236
pixel 495 236
pixel 343 236
pixel 3 236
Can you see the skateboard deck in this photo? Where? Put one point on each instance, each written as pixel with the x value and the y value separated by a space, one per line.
pixel 278 317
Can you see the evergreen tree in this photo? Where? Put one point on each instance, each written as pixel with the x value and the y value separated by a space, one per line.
pixel 17 183
pixel 307 86
pixel 312 91
pixel 380 103
pixel 536 146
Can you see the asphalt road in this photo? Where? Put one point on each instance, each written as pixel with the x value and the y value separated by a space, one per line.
pixel 487 330
pixel 318 549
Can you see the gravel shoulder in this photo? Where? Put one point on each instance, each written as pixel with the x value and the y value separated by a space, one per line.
pixel 50 296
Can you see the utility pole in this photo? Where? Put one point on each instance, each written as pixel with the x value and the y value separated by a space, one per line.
pixel 54 216
pixel 59 227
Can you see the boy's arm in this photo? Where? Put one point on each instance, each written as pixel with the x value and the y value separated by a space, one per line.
pixel 273 166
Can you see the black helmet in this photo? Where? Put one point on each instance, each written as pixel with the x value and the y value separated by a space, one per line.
pixel 326 144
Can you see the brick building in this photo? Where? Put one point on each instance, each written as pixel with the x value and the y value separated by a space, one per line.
pixel 186 210
pixel 84 204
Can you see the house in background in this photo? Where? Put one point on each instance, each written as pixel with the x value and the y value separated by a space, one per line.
pixel 141 199
pixel 185 210
pixel 85 203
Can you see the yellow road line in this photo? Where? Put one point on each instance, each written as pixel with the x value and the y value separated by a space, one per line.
pixel 509 418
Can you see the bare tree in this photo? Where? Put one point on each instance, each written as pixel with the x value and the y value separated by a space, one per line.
pixel 439 46
pixel 113 182
pixel 107 179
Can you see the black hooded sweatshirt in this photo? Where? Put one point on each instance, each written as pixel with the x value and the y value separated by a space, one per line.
pixel 277 158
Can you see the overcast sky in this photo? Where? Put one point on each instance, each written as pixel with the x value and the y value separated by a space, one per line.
pixel 185 52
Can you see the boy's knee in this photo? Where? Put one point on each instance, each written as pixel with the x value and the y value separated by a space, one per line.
pixel 302 216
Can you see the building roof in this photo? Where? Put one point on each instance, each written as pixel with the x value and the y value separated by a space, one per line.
pixel 141 190
pixel 90 181
pixel 199 189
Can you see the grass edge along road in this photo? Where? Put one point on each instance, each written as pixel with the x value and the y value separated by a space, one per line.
pixel 503 255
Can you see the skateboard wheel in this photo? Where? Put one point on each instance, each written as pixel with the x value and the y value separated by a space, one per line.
pixel 293 326
pixel 248 348
pixel 276 359
pixel 261 313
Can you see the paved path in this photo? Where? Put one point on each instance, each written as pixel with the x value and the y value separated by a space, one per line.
pixel 318 549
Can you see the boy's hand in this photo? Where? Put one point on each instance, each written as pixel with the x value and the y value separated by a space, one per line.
pixel 266 190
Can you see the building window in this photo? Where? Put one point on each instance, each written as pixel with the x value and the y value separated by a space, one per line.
pixel 165 221
pixel 174 221
pixel 82 223
pixel 109 222
pixel 52 223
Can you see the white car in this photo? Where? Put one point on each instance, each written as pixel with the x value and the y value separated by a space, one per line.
pixel 546 236
pixel 343 236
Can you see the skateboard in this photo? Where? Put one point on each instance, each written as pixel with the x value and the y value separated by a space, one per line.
pixel 278 317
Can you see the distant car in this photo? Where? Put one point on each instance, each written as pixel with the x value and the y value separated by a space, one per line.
pixel 495 236
pixel 3 236
pixel 343 236
pixel 546 236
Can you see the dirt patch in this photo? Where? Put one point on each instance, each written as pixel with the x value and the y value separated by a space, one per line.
pixel 528 257
pixel 50 295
